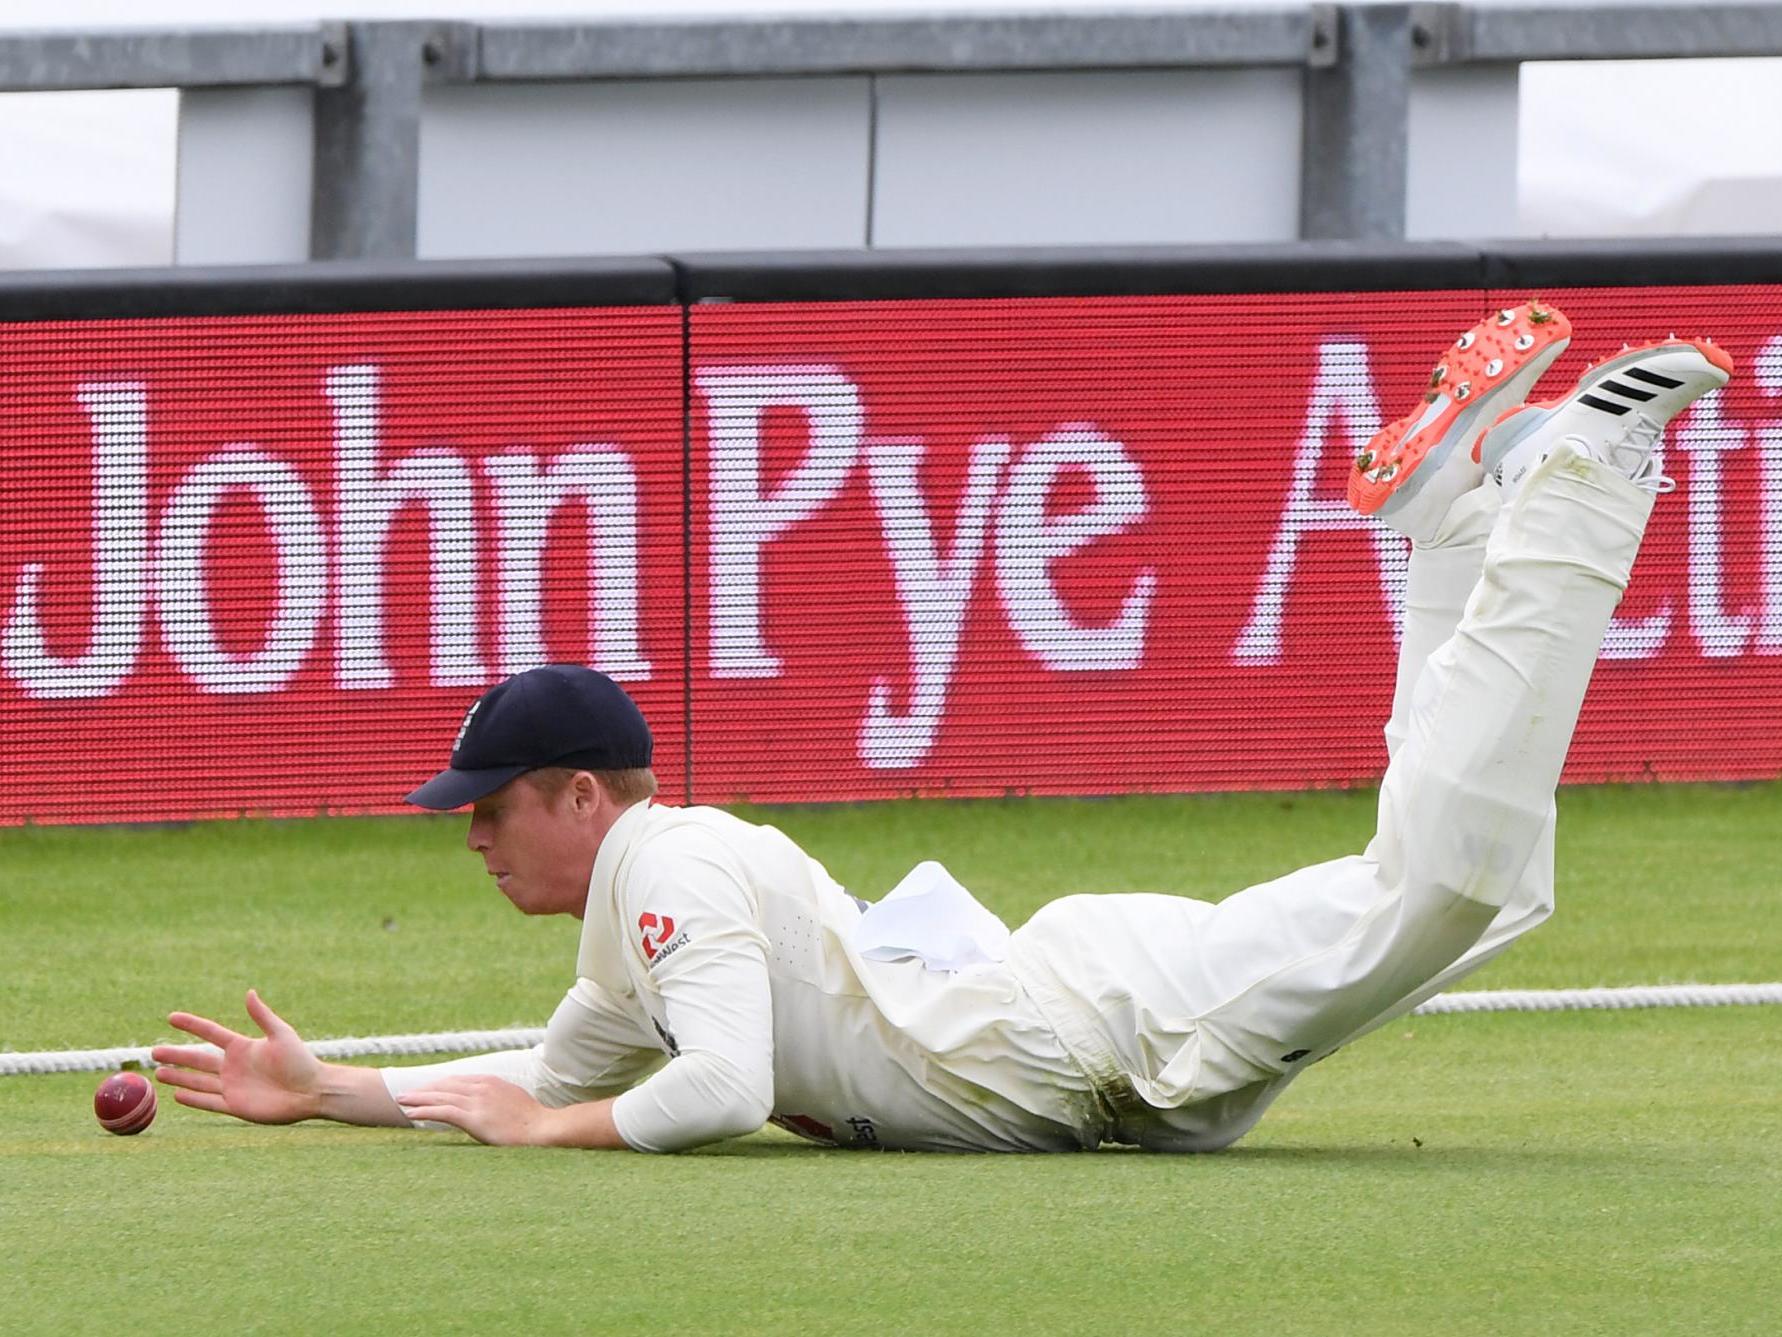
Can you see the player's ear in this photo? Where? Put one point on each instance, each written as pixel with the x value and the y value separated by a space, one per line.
pixel 586 794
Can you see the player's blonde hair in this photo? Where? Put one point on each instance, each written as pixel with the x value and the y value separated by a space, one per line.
pixel 623 787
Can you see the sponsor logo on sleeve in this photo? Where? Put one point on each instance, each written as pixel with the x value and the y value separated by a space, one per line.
pixel 658 937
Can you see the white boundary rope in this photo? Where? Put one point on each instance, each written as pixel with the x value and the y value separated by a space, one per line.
pixel 1581 1000
pixel 362 1046
pixel 477 1042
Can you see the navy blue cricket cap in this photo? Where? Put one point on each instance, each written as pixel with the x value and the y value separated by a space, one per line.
pixel 558 715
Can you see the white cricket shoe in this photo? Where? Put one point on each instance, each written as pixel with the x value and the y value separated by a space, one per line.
pixel 1616 413
pixel 1411 472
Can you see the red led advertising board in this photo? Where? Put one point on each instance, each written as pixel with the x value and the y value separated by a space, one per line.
pixel 837 549
pixel 262 564
pixel 1100 545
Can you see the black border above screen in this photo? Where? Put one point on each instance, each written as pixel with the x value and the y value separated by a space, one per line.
pixel 811 276
pixel 335 286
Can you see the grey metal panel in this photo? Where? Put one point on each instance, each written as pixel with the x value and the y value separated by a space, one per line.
pixel 643 166
pixel 1356 170
pixel 1462 151
pixel 1459 33
pixel 836 45
pixel 194 58
pixel 1357 116
pixel 1128 157
pixel 244 176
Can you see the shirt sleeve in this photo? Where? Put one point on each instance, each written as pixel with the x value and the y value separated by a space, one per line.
pixel 691 921
pixel 593 1047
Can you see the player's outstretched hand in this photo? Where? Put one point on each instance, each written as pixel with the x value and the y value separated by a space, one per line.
pixel 274 1080
pixel 489 1109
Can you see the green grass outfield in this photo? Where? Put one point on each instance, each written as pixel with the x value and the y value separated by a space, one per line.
pixel 1548 1173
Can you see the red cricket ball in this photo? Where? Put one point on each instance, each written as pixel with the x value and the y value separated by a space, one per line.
pixel 125 1103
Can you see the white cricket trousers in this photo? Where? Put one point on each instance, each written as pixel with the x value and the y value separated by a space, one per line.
pixel 1193 1017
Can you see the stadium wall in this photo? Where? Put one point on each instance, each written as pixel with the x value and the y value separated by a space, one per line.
pixel 850 526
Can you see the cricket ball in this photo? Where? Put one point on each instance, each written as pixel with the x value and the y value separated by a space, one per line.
pixel 125 1103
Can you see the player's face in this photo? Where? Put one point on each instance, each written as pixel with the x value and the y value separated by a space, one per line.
pixel 539 850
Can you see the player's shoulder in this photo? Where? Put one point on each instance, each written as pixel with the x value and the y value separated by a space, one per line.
pixel 669 840
pixel 665 828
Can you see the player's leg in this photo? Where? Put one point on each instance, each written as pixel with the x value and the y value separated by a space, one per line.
pixel 1466 801
pixel 1278 975
pixel 1443 572
pixel 1419 475
pixel 1621 386
pixel 1443 568
pixel 1448 555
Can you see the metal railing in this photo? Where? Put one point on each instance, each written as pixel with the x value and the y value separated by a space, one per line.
pixel 1357 61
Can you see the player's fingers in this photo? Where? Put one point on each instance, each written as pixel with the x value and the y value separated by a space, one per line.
pixel 191 1081
pixel 202 1100
pixel 269 1022
pixel 203 1058
pixel 203 1027
pixel 432 1095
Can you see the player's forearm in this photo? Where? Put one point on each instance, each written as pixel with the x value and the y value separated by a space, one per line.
pixel 357 1095
pixel 511 1065
pixel 589 1124
pixel 700 1097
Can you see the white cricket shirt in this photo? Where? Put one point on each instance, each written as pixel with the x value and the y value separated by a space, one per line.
pixel 718 954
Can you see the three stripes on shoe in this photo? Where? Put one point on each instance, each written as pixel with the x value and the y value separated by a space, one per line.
pixel 1629 392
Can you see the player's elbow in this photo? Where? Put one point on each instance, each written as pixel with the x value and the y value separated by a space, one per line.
pixel 744 1100
pixel 701 1096
pixel 737 1093
pixel 741 1116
